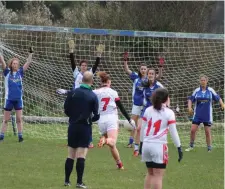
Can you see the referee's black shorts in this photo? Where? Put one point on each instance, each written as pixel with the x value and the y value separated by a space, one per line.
pixel 79 135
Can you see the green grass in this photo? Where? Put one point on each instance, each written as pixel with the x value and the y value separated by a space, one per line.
pixel 38 164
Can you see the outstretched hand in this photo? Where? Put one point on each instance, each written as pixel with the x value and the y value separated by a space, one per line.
pixel 100 49
pixel 125 56
pixel 71 46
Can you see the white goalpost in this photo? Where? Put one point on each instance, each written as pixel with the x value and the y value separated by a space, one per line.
pixel 187 55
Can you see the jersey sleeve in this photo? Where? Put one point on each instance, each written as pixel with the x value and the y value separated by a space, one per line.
pixel 21 71
pixel 6 71
pixel 215 96
pixel 159 84
pixel 173 129
pixel 116 96
pixel 192 97
pixel 133 76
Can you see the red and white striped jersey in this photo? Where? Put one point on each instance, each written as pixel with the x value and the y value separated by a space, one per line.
pixel 107 98
pixel 158 123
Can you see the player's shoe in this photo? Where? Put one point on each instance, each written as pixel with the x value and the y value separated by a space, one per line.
pixel 136 153
pixel 21 139
pixel 81 185
pixel 67 184
pixel 101 142
pixel 130 146
pixel 91 145
pixel 120 166
pixel 189 149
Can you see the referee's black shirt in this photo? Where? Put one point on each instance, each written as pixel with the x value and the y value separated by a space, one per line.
pixel 81 106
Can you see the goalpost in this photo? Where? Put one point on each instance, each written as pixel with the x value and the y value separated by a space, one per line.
pixel 187 55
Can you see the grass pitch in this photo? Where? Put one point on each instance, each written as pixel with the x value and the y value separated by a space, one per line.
pixel 39 163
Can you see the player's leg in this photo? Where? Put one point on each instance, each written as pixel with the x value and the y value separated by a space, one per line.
pixel 83 138
pixel 137 136
pixel 136 111
pixel 6 117
pixel 69 165
pixel 194 129
pixel 72 143
pixel 157 178
pixel 133 132
pixel 18 106
pixel 81 154
pixel 148 179
pixel 208 136
pixel 111 142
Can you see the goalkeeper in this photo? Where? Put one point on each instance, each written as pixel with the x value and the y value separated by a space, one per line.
pixel 13 74
pixel 78 74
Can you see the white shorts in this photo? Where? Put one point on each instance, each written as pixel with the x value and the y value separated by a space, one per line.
pixel 136 110
pixel 107 123
pixel 155 152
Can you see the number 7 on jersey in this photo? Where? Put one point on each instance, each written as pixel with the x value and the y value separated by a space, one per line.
pixel 106 102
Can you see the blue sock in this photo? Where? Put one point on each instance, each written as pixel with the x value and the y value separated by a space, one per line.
pixel 210 148
pixel 20 135
pixel 131 140
pixel 2 135
pixel 192 144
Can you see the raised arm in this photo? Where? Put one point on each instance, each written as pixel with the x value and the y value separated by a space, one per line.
pixel 29 60
pixel 2 62
pixel 126 68
pixel 71 51
pixel 72 61
pixel 161 63
pixel 100 49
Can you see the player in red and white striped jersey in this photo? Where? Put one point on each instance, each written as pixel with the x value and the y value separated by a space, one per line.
pixel 158 121
pixel 108 122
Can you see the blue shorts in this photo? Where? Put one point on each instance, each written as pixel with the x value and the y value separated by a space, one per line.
pixel 16 104
pixel 79 135
pixel 198 122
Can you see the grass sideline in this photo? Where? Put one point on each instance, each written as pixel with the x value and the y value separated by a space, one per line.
pixel 39 164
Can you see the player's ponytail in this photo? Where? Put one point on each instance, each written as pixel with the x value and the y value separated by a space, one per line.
pixel 159 97
pixel 104 77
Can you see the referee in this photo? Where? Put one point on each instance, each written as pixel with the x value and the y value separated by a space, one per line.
pixel 81 106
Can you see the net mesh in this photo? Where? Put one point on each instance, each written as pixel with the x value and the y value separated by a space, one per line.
pixel 186 57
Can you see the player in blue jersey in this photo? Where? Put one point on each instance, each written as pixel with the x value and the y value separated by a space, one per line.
pixel 202 97
pixel 13 74
pixel 149 85
pixel 78 74
pixel 137 94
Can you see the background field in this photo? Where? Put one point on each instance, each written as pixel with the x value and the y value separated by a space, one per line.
pixel 39 163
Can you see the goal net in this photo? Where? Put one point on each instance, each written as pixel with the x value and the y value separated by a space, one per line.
pixel 186 57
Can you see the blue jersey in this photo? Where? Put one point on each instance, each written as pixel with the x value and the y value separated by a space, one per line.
pixel 137 94
pixel 13 84
pixel 148 93
pixel 203 104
